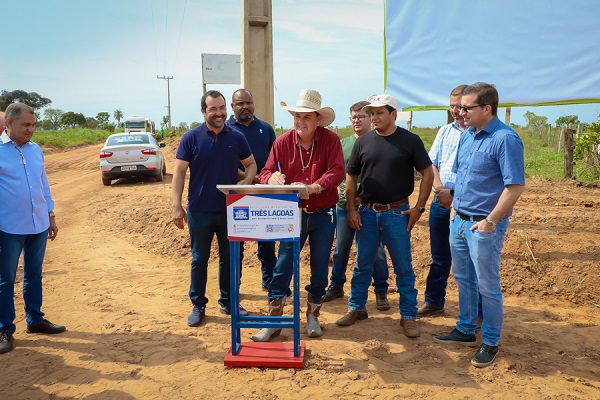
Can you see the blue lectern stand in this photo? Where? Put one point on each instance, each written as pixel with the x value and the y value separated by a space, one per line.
pixel 265 213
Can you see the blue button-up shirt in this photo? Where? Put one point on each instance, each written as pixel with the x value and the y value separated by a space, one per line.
pixel 487 161
pixel 25 197
pixel 443 152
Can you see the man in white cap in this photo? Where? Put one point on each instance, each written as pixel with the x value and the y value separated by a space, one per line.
pixel 385 160
pixel 309 154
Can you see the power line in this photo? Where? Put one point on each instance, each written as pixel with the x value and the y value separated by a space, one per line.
pixel 168 78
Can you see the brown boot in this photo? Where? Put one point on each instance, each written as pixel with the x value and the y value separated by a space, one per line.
pixel 265 334
pixel 313 309
pixel 351 317
pixel 428 311
pixel 411 329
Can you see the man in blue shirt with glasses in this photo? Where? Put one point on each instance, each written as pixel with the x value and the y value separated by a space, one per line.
pixel 26 223
pixel 490 178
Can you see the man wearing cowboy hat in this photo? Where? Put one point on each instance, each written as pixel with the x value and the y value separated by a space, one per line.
pixel 311 155
pixel 385 159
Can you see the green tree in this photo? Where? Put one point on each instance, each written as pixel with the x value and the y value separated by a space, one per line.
pixel 32 99
pixel 194 124
pixel 535 122
pixel 118 115
pixel 165 121
pixel 72 120
pixel 567 121
pixel 103 118
pixel 53 115
pixel 91 122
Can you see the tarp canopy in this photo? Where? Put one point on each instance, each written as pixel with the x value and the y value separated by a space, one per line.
pixel 536 52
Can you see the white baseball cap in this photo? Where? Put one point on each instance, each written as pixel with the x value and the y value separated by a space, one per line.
pixel 381 100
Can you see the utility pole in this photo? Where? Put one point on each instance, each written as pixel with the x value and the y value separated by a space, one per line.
pixel 168 78
pixel 257 55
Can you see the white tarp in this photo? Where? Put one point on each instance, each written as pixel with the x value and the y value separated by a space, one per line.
pixel 534 51
pixel 221 68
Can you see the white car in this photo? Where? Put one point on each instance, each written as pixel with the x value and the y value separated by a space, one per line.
pixel 131 154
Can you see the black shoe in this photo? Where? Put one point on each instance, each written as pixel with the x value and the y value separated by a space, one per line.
pixel 45 326
pixel 6 342
pixel 226 309
pixel 382 302
pixel 333 292
pixel 457 337
pixel 197 316
pixel 485 356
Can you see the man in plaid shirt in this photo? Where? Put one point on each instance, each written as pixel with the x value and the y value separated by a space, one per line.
pixel 443 153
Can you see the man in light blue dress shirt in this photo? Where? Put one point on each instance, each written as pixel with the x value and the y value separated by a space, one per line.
pixel 490 178
pixel 443 154
pixel 26 223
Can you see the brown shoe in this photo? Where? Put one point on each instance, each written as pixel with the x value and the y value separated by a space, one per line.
pixel 428 311
pixel 411 329
pixel 351 317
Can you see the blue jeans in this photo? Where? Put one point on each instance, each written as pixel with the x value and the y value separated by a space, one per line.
pixel 476 267
pixel 203 226
pixel 318 228
pixel 389 227
pixel 441 258
pixel 266 256
pixel 341 253
pixel 33 248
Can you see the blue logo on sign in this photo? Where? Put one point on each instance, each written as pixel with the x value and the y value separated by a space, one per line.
pixel 241 213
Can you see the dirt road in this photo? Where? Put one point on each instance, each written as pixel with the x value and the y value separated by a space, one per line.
pixel 118 275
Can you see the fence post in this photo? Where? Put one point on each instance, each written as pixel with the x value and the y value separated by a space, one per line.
pixel 569 147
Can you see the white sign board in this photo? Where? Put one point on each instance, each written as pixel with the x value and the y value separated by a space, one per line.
pixel 263 217
pixel 221 68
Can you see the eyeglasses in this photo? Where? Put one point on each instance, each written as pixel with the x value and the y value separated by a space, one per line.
pixel 358 117
pixel 469 108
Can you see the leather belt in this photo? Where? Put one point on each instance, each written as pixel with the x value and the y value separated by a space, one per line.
pixel 315 210
pixel 472 218
pixel 380 207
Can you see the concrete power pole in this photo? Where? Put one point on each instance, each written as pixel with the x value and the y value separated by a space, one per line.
pixel 257 55
pixel 168 78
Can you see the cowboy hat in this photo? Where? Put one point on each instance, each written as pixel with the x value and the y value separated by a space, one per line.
pixel 309 100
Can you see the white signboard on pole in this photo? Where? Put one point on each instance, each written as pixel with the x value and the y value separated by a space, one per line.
pixel 221 68
pixel 263 217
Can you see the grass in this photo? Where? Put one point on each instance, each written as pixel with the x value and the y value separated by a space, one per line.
pixel 69 137
pixel 542 159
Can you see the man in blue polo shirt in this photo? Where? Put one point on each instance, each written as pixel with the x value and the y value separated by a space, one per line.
pixel 490 177
pixel 212 151
pixel 260 137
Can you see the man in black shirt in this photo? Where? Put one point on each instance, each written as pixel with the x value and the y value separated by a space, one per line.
pixel 385 160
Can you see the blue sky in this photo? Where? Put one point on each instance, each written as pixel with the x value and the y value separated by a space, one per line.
pixel 92 56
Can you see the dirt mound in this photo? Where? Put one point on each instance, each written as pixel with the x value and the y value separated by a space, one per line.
pixel 552 248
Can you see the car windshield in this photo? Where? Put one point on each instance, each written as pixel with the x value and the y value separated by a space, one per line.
pixel 128 139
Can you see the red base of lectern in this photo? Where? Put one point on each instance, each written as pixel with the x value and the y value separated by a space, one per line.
pixel 267 354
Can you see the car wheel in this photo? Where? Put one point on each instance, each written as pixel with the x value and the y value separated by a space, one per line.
pixel 164 168
pixel 106 181
pixel 160 175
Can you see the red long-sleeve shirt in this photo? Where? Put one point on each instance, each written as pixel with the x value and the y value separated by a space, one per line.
pixel 326 167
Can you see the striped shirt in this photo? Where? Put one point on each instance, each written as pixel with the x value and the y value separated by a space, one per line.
pixel 443 152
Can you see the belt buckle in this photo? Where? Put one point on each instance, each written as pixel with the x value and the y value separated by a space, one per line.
pixel 383 207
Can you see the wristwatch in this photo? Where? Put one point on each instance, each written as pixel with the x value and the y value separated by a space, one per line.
pixel 489 222
pixel 422 210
